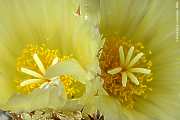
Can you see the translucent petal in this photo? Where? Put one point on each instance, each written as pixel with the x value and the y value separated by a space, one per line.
pixel 90 8
pixel 47 23
pixel 69 67
pixel 88 45
pixel 6 90
pixel 104 104
pixel 113 16
pixel 38 99
pixel 154 111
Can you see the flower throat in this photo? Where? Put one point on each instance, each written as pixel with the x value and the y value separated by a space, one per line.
pixel 32 66
pixel 125 69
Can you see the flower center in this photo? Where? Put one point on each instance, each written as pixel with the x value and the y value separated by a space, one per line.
pixel 125 69
pixel 34 62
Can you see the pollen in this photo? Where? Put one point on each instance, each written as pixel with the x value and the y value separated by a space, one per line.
pixel 125 69
pixel 32 66
pixel 45 55
pixel 73 88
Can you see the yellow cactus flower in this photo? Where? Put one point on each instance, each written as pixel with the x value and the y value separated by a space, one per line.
pixel 139 61
pixel 48 54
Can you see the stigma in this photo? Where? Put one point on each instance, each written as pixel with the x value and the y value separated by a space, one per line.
pixel 32 66
pixel 37 77
pixel 125 69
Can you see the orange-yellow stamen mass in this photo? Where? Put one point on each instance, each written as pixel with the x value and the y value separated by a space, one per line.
pixel 125 69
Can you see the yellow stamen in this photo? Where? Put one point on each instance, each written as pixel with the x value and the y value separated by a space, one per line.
pixel 73 87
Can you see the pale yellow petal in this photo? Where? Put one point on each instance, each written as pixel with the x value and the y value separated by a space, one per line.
pixel 38 99
pixel 6 90
pixel 69 67
pixel 108 106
